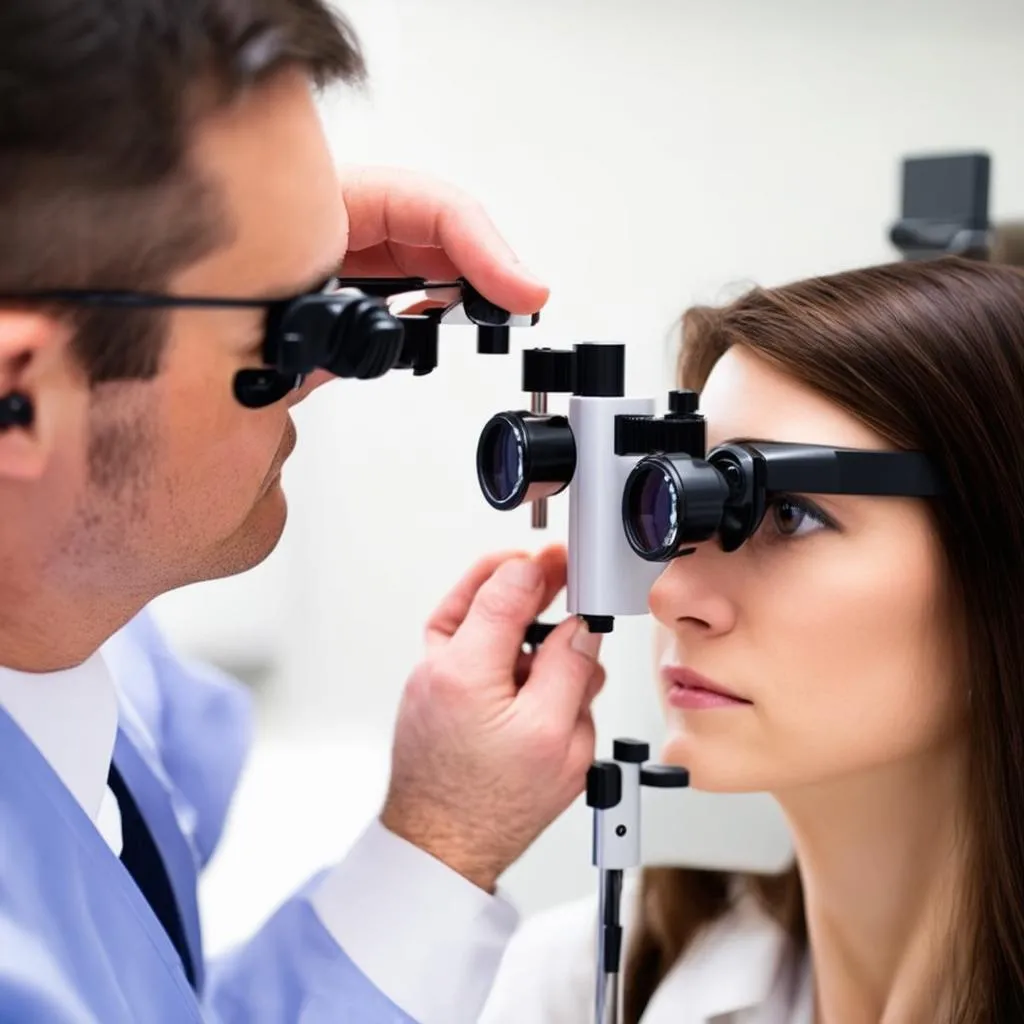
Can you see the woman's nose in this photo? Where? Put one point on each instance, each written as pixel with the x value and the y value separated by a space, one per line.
pixel 693 593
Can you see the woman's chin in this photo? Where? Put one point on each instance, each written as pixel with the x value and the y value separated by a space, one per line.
pixel 712 768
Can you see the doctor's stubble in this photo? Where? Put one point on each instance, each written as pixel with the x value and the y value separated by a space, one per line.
pixel 110 196
pixel 108 535
pixel 120 447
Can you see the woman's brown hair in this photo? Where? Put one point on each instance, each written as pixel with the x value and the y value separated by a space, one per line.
pixel 931 356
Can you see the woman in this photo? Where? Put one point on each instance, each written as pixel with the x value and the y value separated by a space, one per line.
pixel 876 649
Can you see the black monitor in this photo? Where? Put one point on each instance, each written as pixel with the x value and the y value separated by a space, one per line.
pixel 945 207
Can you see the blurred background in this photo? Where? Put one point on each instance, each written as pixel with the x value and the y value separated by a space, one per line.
pixel 639 157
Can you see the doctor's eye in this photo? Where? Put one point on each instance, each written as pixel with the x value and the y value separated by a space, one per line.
pixel 789 516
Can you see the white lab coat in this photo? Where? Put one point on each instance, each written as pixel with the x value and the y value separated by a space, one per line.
pixel 730 975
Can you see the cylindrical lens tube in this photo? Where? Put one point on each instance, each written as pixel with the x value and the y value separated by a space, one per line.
pixel 670 503
pixel 522 457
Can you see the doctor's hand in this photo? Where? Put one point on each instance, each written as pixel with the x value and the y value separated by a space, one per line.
pixel 491 744
pixel 403 224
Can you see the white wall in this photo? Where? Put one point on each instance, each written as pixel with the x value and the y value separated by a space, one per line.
pixel 640 157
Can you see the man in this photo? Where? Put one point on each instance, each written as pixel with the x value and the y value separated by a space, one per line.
pixel 172 147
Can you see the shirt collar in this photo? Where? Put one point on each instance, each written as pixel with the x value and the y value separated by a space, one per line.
pixel 72 718
pixel 738 963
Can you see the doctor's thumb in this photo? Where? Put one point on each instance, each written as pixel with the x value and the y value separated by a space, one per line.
pixel 566 675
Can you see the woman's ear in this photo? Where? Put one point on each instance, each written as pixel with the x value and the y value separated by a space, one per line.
pixel 26 340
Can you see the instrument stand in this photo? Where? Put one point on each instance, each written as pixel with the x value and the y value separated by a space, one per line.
pixel 613 791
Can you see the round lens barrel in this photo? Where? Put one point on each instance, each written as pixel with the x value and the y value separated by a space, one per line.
pixel 522 457
pixel 670 503
pixel 500 460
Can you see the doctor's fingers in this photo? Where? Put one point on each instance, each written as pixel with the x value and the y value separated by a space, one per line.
pixel 524 666
pixel 594 687
pixel 582 749
pixel 390 205
pixel 565 678
pixel 490 637
pixel 452 611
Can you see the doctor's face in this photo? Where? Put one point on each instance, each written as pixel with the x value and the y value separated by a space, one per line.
pixel 180 482
pixel 830 625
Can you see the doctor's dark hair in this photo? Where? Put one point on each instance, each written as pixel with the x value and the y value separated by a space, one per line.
pixel 98 102
pixel 931 356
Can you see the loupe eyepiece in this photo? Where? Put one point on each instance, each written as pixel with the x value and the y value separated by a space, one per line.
pixel 360 338
pixel 670 503
pixel 522 457
pixel 744 472
pixel 346 332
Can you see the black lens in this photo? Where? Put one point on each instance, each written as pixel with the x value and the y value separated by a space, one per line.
pixel 656 518
pixel 522 457
pixel 501 463
pixel 669 504
pixel 650 504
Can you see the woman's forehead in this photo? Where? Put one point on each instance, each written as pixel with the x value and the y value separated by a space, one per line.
pixel 746 397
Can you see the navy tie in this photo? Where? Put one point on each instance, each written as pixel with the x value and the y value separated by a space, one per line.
pixel 140 855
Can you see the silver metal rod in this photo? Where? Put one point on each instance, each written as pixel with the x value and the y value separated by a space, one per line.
pixel 611 1005
pixel 601 993
pixel 609 905
pixel 539 509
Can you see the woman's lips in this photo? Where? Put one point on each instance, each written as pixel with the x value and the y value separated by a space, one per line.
pixel 687 689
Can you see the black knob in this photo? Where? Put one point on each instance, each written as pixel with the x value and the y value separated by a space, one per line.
pixel 537 633
pixel 548 371
pixel 631 751
pixel 664 776
pixel 683 403
pixel 492 341
pixel 600 370
pixel 604 785
pixel 645 435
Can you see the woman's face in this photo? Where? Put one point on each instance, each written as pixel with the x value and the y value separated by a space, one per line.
pixel 830 622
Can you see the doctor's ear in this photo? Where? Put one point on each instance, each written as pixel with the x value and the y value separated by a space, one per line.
pixel 27 343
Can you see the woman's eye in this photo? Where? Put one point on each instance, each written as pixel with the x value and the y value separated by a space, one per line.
pixel 794 518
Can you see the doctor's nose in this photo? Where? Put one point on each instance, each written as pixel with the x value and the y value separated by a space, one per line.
pixel 691 593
